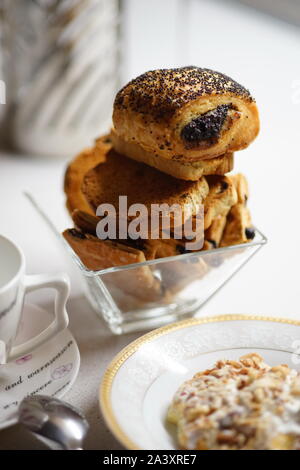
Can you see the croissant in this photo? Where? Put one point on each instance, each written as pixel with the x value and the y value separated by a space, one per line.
pixel 186 114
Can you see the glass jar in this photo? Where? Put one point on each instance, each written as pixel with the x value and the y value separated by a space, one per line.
pixel 60 64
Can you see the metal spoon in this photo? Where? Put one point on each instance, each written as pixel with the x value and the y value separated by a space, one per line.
pixel 54 420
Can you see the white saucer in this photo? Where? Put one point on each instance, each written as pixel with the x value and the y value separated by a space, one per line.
pixel 50 370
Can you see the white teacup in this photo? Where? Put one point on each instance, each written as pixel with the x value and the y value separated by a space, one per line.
pixel 14 284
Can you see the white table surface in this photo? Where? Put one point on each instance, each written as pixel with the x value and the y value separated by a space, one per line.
pixel 263 54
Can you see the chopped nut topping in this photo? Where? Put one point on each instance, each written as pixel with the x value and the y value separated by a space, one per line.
pixel 243 404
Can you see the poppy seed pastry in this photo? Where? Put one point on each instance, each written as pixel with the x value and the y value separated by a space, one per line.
pixel 186 114
pixel 189 171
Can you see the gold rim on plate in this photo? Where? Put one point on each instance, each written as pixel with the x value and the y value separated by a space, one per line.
pixel 125 353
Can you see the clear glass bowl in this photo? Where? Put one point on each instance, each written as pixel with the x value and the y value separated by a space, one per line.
pixel 147 295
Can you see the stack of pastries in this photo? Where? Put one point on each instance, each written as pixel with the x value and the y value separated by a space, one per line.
pixel 173 140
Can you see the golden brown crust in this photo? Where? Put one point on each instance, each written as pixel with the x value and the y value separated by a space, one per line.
pixel 152 248
pixel 238 227
pixel 87 185
pixel 119 176
pixel 85 222
pixel 76 170
pixel 221 197
pixel 159 93
pixel 154 108
pixel 241 185
pixel 98 254
pixel 213 234
pixel 189 171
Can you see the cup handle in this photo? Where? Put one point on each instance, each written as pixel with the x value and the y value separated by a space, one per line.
pixel 59 282
pixel 2 353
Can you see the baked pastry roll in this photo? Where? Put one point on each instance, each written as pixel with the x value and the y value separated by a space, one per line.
pixel 98 254
pixel 238 221
pixel 213 234
pixel 152 248
pixel 87 223
pixel 186 114
pixel 100 175
pixel 76 170
pixel 241 185
pixel 238 227
pixel 119 176
pixel 190 171
pixel 221 197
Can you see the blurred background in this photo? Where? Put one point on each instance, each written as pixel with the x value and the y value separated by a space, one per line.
pixel 63 60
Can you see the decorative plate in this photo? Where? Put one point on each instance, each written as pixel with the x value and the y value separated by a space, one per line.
pixel 140 382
